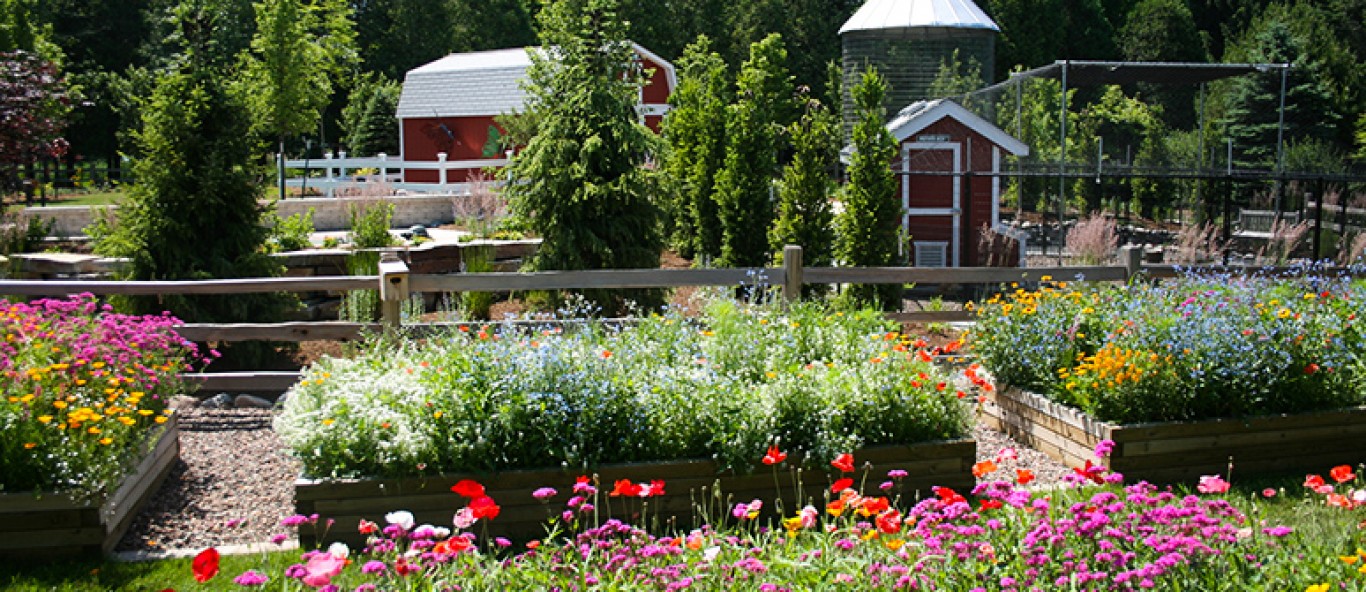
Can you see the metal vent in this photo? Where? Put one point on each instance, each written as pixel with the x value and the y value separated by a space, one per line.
pixel 931 254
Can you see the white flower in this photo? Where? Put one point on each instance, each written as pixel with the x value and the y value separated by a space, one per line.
pixel 710 553
pixel 339 550
pixel 402 518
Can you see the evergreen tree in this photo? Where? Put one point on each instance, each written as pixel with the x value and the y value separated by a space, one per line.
pixel 956 79
pixel 394 36
pixel 695 130
pixel 869 225
pixel 744 187
pixel 493 24
pixel 579 182
pixel 1164 31
pixel 804 216
pixel 1252 102
pixel 193 213
pixel 369 124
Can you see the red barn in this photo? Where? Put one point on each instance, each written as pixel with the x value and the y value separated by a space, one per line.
pixel 944 213
pixel 448 106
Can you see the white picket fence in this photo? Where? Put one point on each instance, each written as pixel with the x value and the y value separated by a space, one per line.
pixel 337 172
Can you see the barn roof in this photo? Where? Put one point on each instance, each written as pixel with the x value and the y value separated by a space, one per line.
pixel 479 83
pixel 905 14
pixel 921 114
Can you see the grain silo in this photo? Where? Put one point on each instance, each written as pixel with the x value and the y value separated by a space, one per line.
pixel 907 40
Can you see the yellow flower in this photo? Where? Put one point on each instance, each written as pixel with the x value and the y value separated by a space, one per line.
pixel 44 418
pixel 94 431
pixel 30 445
pixel 1349 559
pixel 106 441
pixel 59 404
pixel 329 421
pixel 1317 588
pixel 437 414
pixel 894 544
pixel 161 419
pixel 144 412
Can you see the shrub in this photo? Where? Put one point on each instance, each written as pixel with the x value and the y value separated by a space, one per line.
pixel 1197 243
pixel 370 223
pixel 1199 347
pixel 291 233
pixel 82 388
pixel 491 398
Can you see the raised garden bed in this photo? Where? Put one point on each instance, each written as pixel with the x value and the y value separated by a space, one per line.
pixel 946 463
pixel 55 525
pixel 1170 452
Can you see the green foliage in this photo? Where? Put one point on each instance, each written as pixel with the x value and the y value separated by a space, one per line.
pixel 299 48
pixel 1164 31
pixel 489 399
pixel 369 124
pixel 193 213
pixel 21 234
pixel 870 223
pixel 493 24
pixel 695 130
pixel 370 223
pixel 394 36
pixel 1251 103
pixel 580 183
pixel 804 216
pixel 744 186
pixel 956 79
pixel 476 259
pixel 291 233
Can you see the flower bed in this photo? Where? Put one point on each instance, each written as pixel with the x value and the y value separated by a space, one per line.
pixel 81 409
pixel 1185 376
pixel 46 526
pixel 723 388
pixel 683 487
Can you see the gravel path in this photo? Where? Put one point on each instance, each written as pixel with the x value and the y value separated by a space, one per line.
pixel 234 482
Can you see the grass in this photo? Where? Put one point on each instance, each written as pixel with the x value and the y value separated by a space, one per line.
pixel 1312 554
pixel 69 198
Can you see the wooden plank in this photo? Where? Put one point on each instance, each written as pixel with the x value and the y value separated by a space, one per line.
pixel 200 287
pixel 1252 437
pixel 604 278
pixel 292 332
pixel 958 275
pixel 139 487
pixel 243 381
pixel 1230 426
pixel 1056 416
pixel 86 537
pixel 1250 453
pixel 46 520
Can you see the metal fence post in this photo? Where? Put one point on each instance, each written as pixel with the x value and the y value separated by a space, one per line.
pixel 393 288
pixel 792 273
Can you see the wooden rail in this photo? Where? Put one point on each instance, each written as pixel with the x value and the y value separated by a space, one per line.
pixel 395 285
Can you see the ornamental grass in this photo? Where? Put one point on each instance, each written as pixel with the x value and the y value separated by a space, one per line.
pixel 1198 347
pixel 724 386
pixel 82 389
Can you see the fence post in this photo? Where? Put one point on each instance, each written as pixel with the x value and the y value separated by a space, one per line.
pixel 1132 258
pixel 341 166
pixel 441 162
pixel 792 273
pixel 393 288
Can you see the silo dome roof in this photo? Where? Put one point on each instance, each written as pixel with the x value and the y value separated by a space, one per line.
pixel 904 14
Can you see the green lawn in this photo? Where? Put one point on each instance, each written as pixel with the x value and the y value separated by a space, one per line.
pixel 73 198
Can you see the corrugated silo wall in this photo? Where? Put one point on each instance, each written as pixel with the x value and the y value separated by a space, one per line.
pixel 909 59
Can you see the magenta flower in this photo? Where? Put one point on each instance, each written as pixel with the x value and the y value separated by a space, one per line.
pixel 373 567
pixel 251 578
pixel 544 493
pixel 1104 448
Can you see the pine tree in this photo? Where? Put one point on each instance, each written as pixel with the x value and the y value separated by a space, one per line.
pixel 868 227
pixel 695 130
pixel 580 183
pixel 369 124
pixel 744 187
pixel 193 213
pixel 804 216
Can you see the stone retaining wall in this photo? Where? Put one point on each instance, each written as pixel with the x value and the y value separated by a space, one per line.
pixel 329 213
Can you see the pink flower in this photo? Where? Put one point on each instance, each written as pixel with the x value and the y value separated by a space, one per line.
pixel 321 568
pixel 1212 484
pixel 250 578
pixel 1006 454
pixel 544 493
pixel 1269 492
pixel 1104 448
pixel 464 518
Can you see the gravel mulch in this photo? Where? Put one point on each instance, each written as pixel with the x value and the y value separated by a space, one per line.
pixel 234 482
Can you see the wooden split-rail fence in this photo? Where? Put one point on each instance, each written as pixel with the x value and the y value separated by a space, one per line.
pixel 395 284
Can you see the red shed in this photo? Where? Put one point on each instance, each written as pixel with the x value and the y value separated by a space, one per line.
pixel 448 106
pixel 944 214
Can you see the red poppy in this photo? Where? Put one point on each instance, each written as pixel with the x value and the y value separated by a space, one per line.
pixel 1313 481
pixel 1342 473
pixel 874 505
pixel 991 504
pixel 533 544
pixel 205 565
pixel 842 484
pixel 451 546
pixel 1338 500
pixel 468 488
pixel 1095 473
pixel 889 522
pixel 774 456
pixel 983 469
pixel 1311 368
pixel 367 527
pixel 656 487
pixel 1024 476
pixel 844 462
pixel 948 496
pixel 625 487
pixel 484 507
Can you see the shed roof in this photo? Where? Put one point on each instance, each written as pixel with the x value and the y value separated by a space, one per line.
pixel 921 114
pixel 479 83
pixel 905 14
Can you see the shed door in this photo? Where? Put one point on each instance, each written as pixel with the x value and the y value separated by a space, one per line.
pixel 933 203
